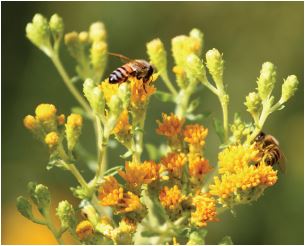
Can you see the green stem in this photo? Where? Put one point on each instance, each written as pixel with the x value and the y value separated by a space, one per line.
pixel 52 228
pixel 138 136
pixel 169 84
pixel 224 107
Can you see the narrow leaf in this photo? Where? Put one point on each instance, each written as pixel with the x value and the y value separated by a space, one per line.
pixel 219 129
pixel 164 96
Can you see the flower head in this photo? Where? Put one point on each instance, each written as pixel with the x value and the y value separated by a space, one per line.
pixel 109 90
pixel 195 134
pixel 61 119
pixel 140 91
pixel 30 122
pixel 198 167
pixel 170 126
pixel 51 139
pixel 234 158
pixel 171 198
pixel 75 120
pixel 122 127
pixel 129 203
pixel 45 112
pixel 84 229
pixel 205 210
pixel 137 174
pixel 174 162
pixel 73 129
pixel 110 192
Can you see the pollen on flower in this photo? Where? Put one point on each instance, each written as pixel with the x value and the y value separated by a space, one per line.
pixel 129 203
pixel 75 120
pixel 173 163
pixel 128 225
pixel 140 91
pixel 110 192
pixel 170 126
pixel 233 158
pixel 45 112
pixel 171 198
pixel 205 210
pixel 51 139
pixel 137 174
pixel 84 229
pixel 195 134
pixel 30 122
pixel 123 126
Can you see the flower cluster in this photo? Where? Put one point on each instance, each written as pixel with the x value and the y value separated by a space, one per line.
pixel 175 193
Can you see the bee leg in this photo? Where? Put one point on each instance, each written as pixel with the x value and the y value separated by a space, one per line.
pixel 144 87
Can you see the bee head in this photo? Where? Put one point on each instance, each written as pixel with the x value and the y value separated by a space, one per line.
pixel 260 137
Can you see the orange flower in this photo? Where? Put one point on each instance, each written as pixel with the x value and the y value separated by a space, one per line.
pixel 195 134
pixel 171 198
pixel 198 166
pixel 137 174
pixel 84 229
pixel 123 126
pixel 171 125
pixel 110 192
pixel 205 210
pixel 129 203
pixel 174 162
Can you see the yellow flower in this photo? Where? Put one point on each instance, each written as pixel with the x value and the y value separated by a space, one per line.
pixel 137 174
pixel 205 210
pixel 171 198
pixel 61 119
pixel 123 126
pixel 30 122
pixel 140 91
pixel 84 229
pixel 233 158
pixel 51 139
pixel 198 166
pixel 178 70
pixel 110 192
pixel 128 203
pixel 75 120
pixel 128 225
pixel 171 125
pixel 195 134
pixel 174 162
pixel 45 112
pixel 108 89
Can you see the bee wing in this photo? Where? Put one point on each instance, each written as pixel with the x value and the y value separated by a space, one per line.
pixel 122 57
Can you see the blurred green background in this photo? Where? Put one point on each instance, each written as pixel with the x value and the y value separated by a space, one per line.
pixel 247 33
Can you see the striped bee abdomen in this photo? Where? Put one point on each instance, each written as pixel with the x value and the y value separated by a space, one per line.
pixel 120 75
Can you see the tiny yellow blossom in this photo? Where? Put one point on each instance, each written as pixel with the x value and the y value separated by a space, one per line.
pixel 110 192
pixel 171 198
pixel 140 91
pixel 178 70
pixel 205 210
pixel 170 126
pixel 129 203
pixel 84 229
pixel 108 90
pixel 128 225
pixel 122 127
pixel 174 162
pixel 233 158
pixel 195 134
pixel 61 119
pixel 30 122
pixel 75 120
pixel 45 112
pixel 51 139
pixel 137 174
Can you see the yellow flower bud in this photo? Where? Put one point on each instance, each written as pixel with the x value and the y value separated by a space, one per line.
pixel 61 119
pixel 97 32
pixel 157 55
pixel 75 120
pixel 30 122
pixel 195 69
pixel 56 25
pixel 198 38
pixel 253 102
pixel 74 46
pixel 215 64
pixel 98 57
pixel 266 80
pixel 84 229
pixel 73 129
pixel 289 87
pixel 45 112
pixel 51 139
pixel 83 37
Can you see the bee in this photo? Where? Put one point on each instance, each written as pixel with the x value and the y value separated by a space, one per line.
pixel 139 69
pixel 269 150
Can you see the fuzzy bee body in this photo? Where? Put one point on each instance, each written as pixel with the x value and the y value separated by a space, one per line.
pixel 140 69
pixel 270 152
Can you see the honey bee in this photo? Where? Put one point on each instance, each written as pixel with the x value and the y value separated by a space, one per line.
pixel 140 69
pixel 270 152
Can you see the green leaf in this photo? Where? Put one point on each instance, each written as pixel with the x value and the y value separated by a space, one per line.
pixel 164 96
pixel 153 151
pixel 149 234
pixel 197 237
pixel 226 241
pixel 75 79
pixel 126 155
pixel 193 105
pixel 197 117
pixel 219 129
pixel 113 171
